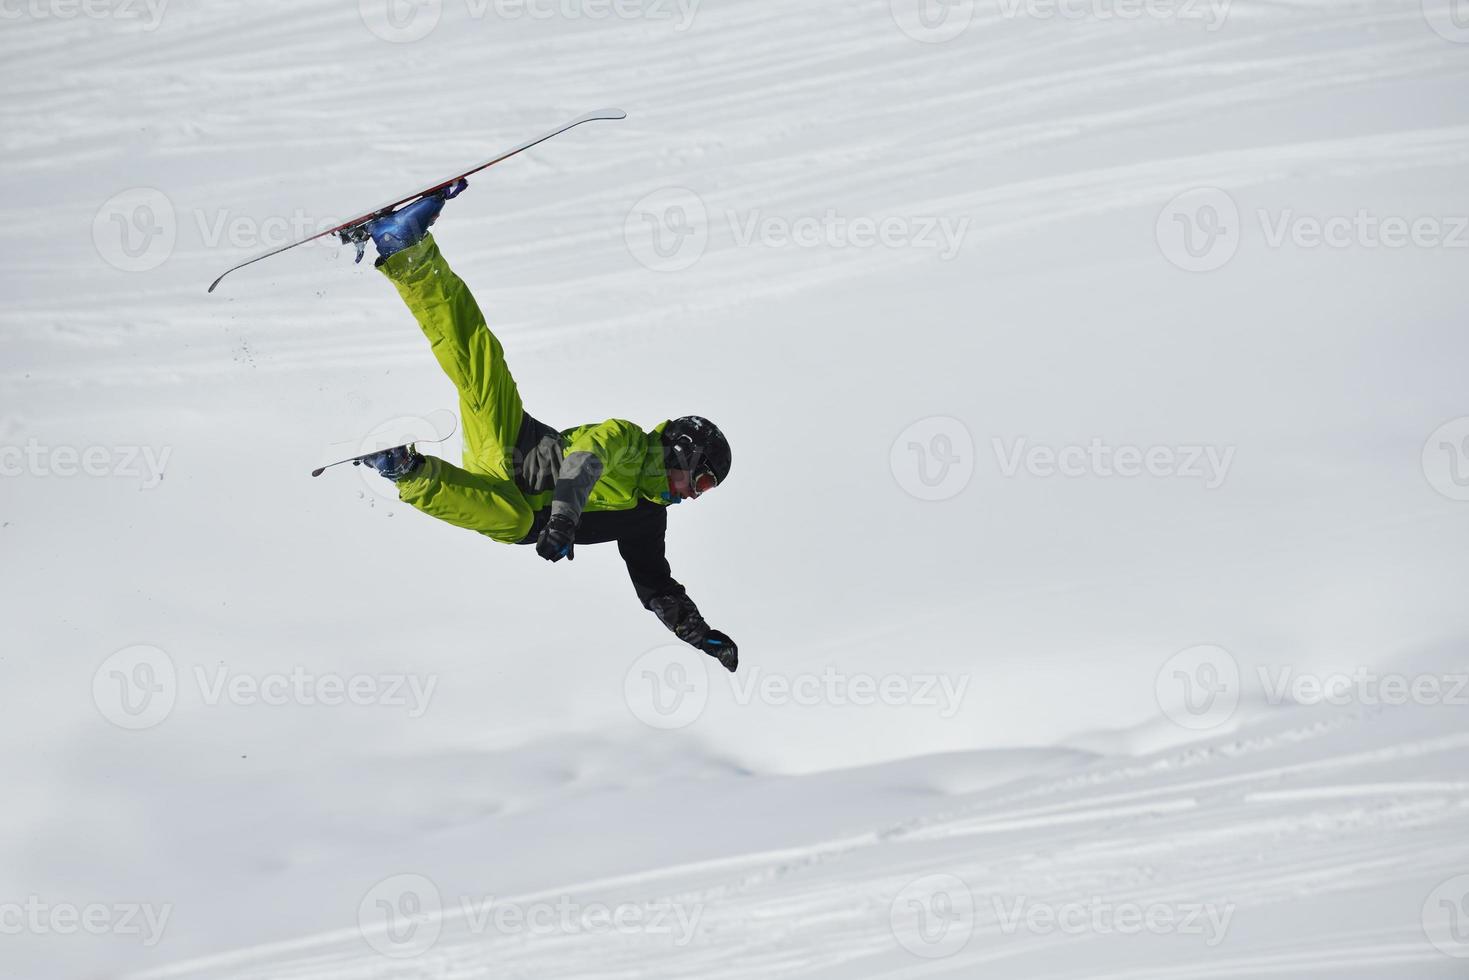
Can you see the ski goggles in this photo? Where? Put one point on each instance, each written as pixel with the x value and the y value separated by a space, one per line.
pixel 702 482
pixel 686 456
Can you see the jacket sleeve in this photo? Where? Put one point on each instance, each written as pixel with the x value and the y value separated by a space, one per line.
pixel 642 547
pixel 580 472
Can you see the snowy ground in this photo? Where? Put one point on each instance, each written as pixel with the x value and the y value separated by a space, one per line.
pixel 939 271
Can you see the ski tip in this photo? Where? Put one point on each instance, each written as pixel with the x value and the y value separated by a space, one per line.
pixel 318 472
pixel 607 114
pixel 217 282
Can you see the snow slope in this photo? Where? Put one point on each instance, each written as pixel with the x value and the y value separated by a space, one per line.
pixel 1034 174
pixel 1309 840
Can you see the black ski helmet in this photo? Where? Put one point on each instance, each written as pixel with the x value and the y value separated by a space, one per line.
pixel 695 444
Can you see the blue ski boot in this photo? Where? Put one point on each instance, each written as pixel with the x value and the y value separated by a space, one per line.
pixel 405 227
pixel 395 464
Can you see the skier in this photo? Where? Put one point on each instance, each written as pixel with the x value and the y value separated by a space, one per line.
pixel 524 482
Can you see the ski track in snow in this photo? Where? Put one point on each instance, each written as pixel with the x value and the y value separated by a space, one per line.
pixel 1205 823
pixel 773 120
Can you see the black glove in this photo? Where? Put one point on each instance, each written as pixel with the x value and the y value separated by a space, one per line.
pixel 679 614
pixel 719 646
pixel 696 633
pixel 558 539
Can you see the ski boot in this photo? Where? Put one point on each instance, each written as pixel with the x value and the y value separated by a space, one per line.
pixel 404 227
pixel 396 464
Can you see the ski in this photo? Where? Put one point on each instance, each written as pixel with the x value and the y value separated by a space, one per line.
pixel 347 229
pixel 436 427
